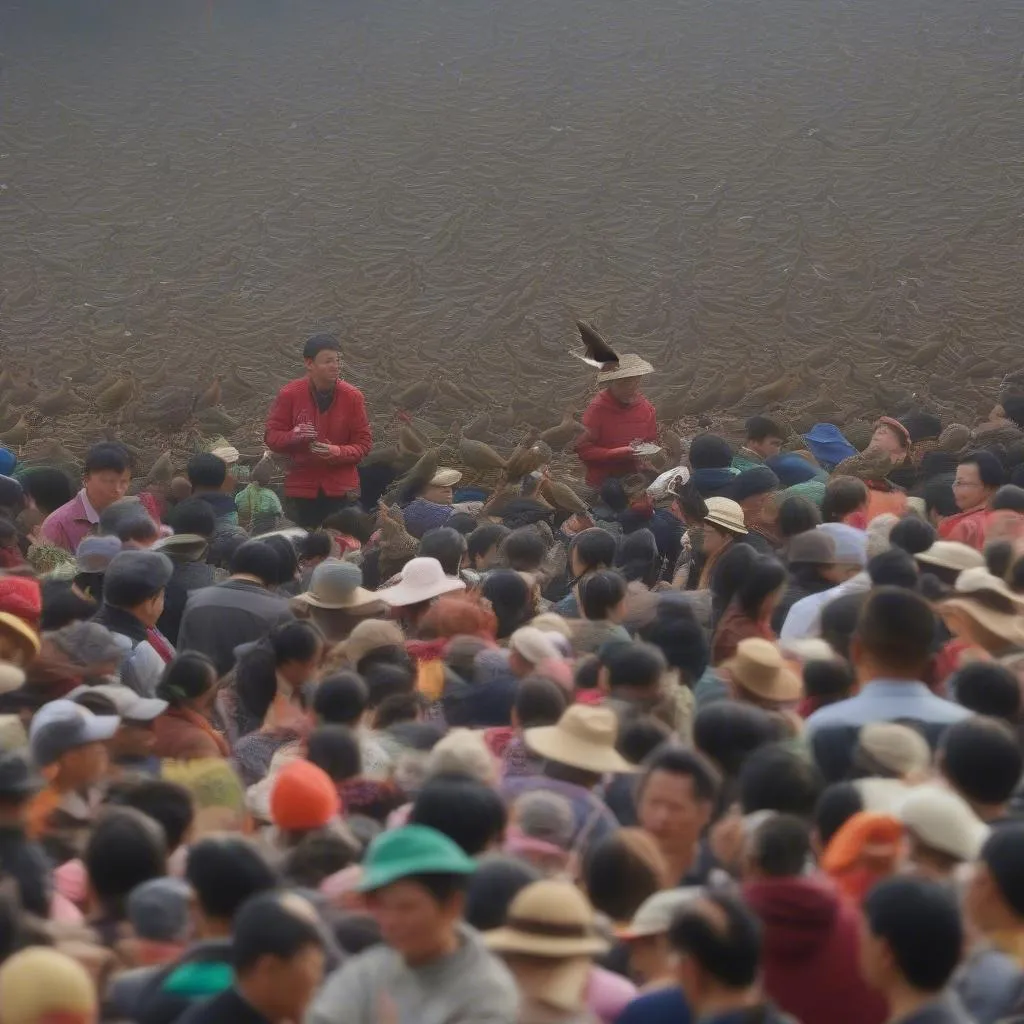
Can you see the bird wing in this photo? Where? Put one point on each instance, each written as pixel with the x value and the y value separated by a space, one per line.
pixel 598 352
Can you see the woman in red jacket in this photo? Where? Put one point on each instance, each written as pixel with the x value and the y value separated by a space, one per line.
pixel 320 423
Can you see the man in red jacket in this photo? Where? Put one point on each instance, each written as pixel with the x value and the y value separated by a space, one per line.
pixel 320 423
pixel 619 416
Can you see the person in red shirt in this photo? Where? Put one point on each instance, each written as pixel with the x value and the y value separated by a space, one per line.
pixel 320 423
pixel 619 416
pixel 978 477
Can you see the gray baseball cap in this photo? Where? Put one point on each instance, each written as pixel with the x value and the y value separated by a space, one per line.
pixel 63 725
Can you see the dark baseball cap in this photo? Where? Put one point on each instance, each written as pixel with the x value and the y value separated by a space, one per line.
pixel 135 576
pixel 17 778
pixel 63 725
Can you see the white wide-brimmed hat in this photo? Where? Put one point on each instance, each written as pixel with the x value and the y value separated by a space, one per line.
pixel 422 579
pixel 445 477
pixel 951 554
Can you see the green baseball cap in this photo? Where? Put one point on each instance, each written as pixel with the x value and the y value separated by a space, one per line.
pixel 412 850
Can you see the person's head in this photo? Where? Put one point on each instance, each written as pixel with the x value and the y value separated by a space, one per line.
pixel 912 936
pixel 62 606
pixel 675 798
pixel 193 515
pixel 168 803
pixel 912 535
pixel 796 515
pixel 483 545
pixel 335 749
pixel 988 688
pixel 640 736
pixel 844 495
pixel 298 650
pixel 107 474
pixel 448 546
pixel 622 870
pixel 715 539
pixel 837 804
pixel 287 559
pixel 893 568
pixel 277 952
pixel 764 436
pixel 978 477
pixel 70 741
pixel 384 680
pixel 39 985
pixel 999 555
pixel 497 881
pixel 467 811
pixel 994 900
pixel 224 871
pixel 680 638
pixel 939 498
pixel 1009 497
pixel 135 582
pixel 189 681
pixel 709 451
pixel 631 668
pixel 780 847
pixel 130 523
pixel 729 573
pixel 777 778
pixel 524 549
pixel 638 558
pixel 891 437
pixel 717 942
pixel 894 635
pixel 625 390
pixel 510 600
pixel 314 548
pixel 321 355
pixel 590 550
pixel 828 680
pixel 728 732
pixel 762 587
pixel 124 849
pixel 602 596
pixel 49 488
pixel 539 701
pixel 981 759
pixel 258 560
pixel 206 473
pixel 341 699
pixel 839 620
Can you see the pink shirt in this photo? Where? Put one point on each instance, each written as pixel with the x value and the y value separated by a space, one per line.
pixel 69 525
pixel 608 994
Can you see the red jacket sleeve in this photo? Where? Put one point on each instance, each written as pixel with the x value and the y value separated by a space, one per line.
pixel 278 434
pixel 589 449
pixel 362 436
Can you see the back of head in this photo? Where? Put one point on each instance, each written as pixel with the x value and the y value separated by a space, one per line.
pixel 167 803
pixel 839 620
pixel 187 678
pixel 539 701
pixel 593 548
pixel 385 680
pixel 828 679
pixel 193 515
pixel 939 498
pixel 729 574
pixel 895 633
pixel 843 496
pixel 463 752
pixel 919 921
pixel 509 596
pixel 1009 497
pixel 601 593
pixel 797 515
pixel 999 556
pixel 776 778
pixel 493 887
pixel 225 871
pixel 470 813
pixel 982 760
pixel 633 666
pixel 722 937
pixel 765 576
pixel 484 538
pixel 448 546
pixel 679 637
pixel 335 749
pixel 48 488
pixel 341 699
pixel 1003 854
pixel 780 847
pixel 295 642
pixel 912 535
pixel 273 924
pixel 638 558
pixel 258 559
pixel 125 849
pixel 622 870
pixel 728 732
pixel 206 472
pixel 524 549
pixel 287 558
pixel 836 805
pixel 709 451
pixel 640 737
pixel 760 428
pixel 893 568
pixel 988 688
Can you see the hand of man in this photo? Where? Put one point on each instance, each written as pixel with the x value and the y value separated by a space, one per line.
pixel 325 451
pixel 304 431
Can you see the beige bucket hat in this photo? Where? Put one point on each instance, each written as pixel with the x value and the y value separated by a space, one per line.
pixel 584 738
pixel 727 514
pixel 445 478
pixel 758 667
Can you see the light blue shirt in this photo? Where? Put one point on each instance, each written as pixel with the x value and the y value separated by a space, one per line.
pixel 886 700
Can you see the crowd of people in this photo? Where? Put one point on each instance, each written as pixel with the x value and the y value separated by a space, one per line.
pixel 740 744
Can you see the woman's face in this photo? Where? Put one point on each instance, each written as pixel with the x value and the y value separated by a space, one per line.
pixel 299 672
pixel 715 541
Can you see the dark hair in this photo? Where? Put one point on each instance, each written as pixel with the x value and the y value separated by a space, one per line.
pixel 168 803
pixel 350 521
pixel 510 600
pixel 354 933
pixel 893 568
pixel 728 732
pixel 678 635
pixel 1015 576
pixel 316 544
pixel 776 778
pixel 990 469
pixel 287 559
pixel 492 888
pixel 709 451
pixel 690 764
pixel 107 457
pixel 837 804
pixel 634 665
pixel 988 688
pixel 912 535
pixel 595 548
pixel 384 680
pixel 462 808
pixel 295 641
pixel 320 343
pixel 839 619
pixel 919 920
pixel 124 849
pixel 524 549
pixel 207 471
pixel 982 760
pixel 999 557
pixel 317 855
pixel 797 515
pixel 828 678
pixel 781 846
pixel 399 707
pixel 335 748
pixel 224 871
pixel 97 703
pixel 1003 854
pixel 256 558
pixel 938 496
pixel 617 876
pixel 587 672
pixel 462 522
pixel 897 629
pixel 843 495
pixel 485 537
pixel 193 515
pixel 640 737
pixel 600 592
pixel 341 699
pixel 638 558
pixel 446 545
pixel 62 606
pixel 186 678
pixel 49 488
pixel 440 886
pixel 730 955
pixel 393 655
pixel 766 576
pixel 539 701
pixel 728 575
pixel 760 427
pixel 1009 496
pixel 267 926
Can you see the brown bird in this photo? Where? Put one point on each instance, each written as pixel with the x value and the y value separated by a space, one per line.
pixel 116 396
pixel 705 401
pixel 478 427
pixel 565 433
pixel 529 455
pixel 774 391
pixel 562 496
pixel 60 401
pixel 414 395
pixel 453 391
pixel 17 435
pixel 22 394
pixel 927 354
pixel 162 470
pixel 217 421
pixel 734 391
pixel 212 395
pixel 672 444
pixel 6 380
pixel 598 353
pixel 476 454
pixel 409 438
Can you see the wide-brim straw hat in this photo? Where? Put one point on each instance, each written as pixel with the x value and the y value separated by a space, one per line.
pixel 1006 626
pixel 26 636
pixel 727 514
pixel 445 478
pixel 629 365
pixel 422 580
pixel 550 918
pixel 950 554
pixel 335 585
pixel 758 667
pixel 584 738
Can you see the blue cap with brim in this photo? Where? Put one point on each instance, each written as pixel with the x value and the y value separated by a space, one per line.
pixel 827 444
pixel 412 850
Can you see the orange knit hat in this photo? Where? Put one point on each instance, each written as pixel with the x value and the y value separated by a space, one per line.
pixel 303 798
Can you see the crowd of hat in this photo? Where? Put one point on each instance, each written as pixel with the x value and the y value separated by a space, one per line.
pixel 744 744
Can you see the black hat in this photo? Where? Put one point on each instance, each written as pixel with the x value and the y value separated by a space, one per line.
pixel 135 576
pixel 756 480
pixel 17 779
pixel 12 495
pixel 921 425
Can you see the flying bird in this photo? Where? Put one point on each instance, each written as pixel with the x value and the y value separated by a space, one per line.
pixel 598 353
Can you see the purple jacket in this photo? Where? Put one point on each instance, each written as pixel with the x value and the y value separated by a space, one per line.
pixel 69 525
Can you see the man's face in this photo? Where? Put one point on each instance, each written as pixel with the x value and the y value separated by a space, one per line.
pixel 438 495
pixel 150 611
pixel 105 486
pixel 670 811
pixel 488 560
pixel 86 765
pixel 324 369
pixel 625 391
pixel 885 439
pixel 411 921
pixel 296 980
pixel 766 447
pixel 968 490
